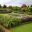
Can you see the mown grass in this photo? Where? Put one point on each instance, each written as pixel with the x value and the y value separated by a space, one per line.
pixel 23 28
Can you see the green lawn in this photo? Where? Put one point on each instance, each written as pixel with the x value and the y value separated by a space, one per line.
pixel 23 28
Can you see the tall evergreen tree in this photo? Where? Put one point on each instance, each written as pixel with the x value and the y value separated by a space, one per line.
pixel 4 6
pixel 0 6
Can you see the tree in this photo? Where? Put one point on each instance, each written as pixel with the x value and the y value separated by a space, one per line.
pixel 4 6
pixel 0 6
pixel 31 5
pixel 30 9
pixel 16 9
pixel 24 5
pixel 24 8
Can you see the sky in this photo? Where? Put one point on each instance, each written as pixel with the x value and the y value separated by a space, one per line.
pixel 15 2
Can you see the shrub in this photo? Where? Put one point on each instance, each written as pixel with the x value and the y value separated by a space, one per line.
pixel 14 21
pixel 4 20
pixel 9 21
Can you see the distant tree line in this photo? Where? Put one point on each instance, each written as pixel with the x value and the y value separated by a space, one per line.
pixel 16 9
pixel 4 6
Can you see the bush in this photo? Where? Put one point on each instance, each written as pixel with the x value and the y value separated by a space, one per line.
pixel 14 21
pixel 10 21
pixel 4 20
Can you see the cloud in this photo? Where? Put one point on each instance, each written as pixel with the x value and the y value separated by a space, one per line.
pixel 15 2
pixel 2 2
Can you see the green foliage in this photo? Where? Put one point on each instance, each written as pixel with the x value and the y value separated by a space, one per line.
pixel 4 20
pixel 15 9
pixel 4 6
pixel 31 5
pixel 15 21
pixel 30 9
pixel 0 6
pixel 9 21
